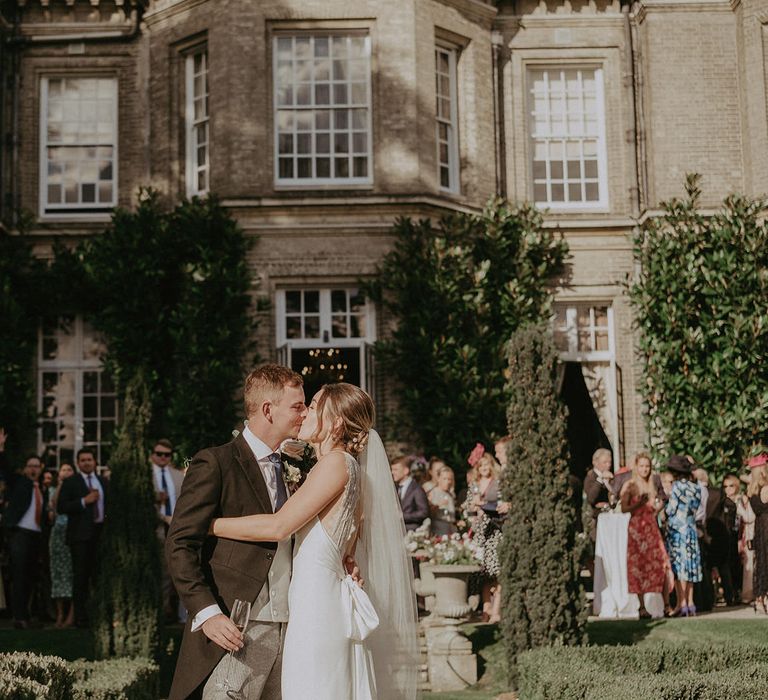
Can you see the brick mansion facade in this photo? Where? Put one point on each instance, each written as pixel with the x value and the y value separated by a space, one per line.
pixel 319 122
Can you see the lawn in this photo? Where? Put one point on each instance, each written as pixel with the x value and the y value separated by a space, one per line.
pixel 74 643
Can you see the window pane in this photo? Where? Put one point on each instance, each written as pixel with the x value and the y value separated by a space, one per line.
pixel 339 327
pixel 338 300
pixel 79 114
pixel 293 302
pixel 293 327
pixel 197 122
pixel 311 302
pixel 311 326
pixel 564 108
pixel 323 73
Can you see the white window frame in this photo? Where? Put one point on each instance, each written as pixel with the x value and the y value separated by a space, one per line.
pixel 602 203
pixel 453 164
pixel 313 182
pixel 96 210
pixel 285 344
pixel 78 366
pixel 594 356
pixel 193 167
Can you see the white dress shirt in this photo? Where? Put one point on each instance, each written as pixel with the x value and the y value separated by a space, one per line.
pixel 96 484
pixel 261 451
pixel 170 488
pixel 27 521
pixel 402 487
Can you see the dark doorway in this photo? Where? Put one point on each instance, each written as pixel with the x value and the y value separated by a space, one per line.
pixel 321 366
pixel 584 431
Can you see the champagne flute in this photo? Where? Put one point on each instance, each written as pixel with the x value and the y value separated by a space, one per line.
pixel 241 611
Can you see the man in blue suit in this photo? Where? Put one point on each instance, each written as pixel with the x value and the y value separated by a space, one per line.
pixel 413 500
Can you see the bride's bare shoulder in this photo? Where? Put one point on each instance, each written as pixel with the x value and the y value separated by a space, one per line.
pixel 334 461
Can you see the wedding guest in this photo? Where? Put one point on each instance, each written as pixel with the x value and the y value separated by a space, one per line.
pixel 747 534
pixel 84 499
pixel 24 514
pixel 500 450
pixel 597 486
pixel 166 480
pixel 667 480
pixel 442 504
pixel 487 497
pixel 61 557
pixel 758 500
pixel 413 500
pixel 646 555
pixel 723 532
pixel 435 465
pixel 682 538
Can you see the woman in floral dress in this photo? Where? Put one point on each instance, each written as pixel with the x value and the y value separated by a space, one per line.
pixel 682 539
pixel 646 556
pixel 61 559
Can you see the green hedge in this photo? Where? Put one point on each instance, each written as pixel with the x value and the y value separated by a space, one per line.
pixel 25 676
pixel 663 672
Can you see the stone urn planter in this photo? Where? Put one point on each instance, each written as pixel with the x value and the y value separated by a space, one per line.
pixel 450 661
pixel 425 584
pixel 451 589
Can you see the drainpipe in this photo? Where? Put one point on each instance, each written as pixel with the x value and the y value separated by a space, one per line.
pixel 635 69
pixel 497 49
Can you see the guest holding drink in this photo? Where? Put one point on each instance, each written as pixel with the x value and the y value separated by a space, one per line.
pixel 442 503
pixel 646 555
pixel 433 470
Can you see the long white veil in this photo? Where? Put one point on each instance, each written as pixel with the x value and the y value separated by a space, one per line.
pixel 387 570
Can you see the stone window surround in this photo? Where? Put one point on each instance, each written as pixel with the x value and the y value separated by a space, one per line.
pixel 64 212
pixel 519 154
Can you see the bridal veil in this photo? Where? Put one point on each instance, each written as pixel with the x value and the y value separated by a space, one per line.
pixel 388 573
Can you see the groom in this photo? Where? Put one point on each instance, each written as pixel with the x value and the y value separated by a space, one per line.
pixel 243 477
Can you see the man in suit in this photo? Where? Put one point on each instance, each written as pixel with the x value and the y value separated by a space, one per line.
pixel 25 510
pixel 413 500
pixel 166 480
pixel 84 499
pixel 243 477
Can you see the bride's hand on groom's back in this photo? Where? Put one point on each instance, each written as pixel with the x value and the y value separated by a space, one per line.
pixel 222 631
pixel 351 567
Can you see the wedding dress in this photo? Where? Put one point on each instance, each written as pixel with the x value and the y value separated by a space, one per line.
pixel 344 642
pixel 324 657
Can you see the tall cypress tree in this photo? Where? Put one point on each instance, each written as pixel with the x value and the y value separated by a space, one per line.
pixel 542 599
pixel 128 594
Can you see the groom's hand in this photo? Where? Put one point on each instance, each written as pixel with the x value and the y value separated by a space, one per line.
pixel 221 630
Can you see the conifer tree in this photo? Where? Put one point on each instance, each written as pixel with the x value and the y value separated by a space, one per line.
pixel 127 597
pixel 542 599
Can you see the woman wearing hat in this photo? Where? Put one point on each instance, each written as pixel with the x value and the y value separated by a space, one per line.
pixel 758 500
pixel 682 539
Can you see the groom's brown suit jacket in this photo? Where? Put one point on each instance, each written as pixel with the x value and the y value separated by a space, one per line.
pixel 221 481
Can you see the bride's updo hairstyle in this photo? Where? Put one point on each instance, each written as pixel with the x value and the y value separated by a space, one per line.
pixel 355 409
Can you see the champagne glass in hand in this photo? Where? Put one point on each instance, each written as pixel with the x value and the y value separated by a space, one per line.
pixel 241 611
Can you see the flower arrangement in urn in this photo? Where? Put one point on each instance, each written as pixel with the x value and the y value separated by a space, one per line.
pixel 454 549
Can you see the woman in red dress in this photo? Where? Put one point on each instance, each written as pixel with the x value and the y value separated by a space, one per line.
pixel 646 554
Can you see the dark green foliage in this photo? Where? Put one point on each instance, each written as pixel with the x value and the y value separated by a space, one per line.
pixel 116 679
pixel 22 300
pixel 541 595
pixel 457 294
pixel 127 595
pixel 664 671
pixel 25 676
pixel 170 293
pixel 700 301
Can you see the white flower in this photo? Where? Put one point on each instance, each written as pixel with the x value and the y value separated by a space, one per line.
pixel 291 474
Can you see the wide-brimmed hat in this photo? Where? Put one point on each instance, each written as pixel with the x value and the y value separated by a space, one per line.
pixel 679 464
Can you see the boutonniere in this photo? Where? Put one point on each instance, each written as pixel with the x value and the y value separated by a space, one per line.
pixel 298 459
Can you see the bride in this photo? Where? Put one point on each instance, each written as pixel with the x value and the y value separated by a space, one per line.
pixel 340 643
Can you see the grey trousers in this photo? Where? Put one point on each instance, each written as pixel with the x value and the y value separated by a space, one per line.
pixel 255 669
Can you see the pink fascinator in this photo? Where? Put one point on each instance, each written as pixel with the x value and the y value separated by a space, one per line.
pixel 477 451
pixel 757 461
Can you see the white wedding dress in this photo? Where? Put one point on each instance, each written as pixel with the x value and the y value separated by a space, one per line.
pixel 325 656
